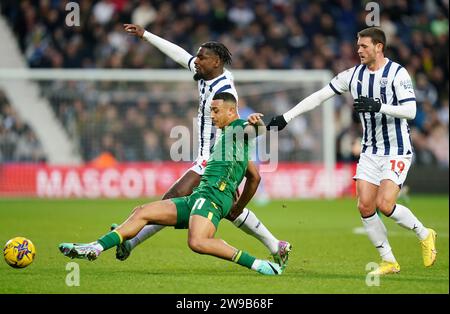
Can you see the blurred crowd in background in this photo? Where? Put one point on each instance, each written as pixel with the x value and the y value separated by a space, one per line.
pixel 18 142
pixel 270 34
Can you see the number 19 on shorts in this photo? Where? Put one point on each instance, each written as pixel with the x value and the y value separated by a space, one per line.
pixel 397 165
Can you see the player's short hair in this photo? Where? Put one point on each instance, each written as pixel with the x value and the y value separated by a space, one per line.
pixel 376 34
pixel 225 97
pixel 220 50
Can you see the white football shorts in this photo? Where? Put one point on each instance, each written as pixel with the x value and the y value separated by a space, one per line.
pixel 374 169
pixel 199 166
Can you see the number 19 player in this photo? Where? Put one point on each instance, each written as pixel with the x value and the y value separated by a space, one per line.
pixel 384 98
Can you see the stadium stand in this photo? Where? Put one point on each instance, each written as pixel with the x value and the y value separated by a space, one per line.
pixel 277 34
pixel 18 142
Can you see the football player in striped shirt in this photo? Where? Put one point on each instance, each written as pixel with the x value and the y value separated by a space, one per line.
pixel 384 98
pixel 208 68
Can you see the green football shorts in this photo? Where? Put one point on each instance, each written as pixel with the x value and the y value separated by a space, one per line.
pixel 199 203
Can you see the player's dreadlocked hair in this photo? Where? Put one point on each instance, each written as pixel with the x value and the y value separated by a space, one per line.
pixel 220 50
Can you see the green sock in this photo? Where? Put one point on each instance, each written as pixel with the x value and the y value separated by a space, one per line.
pixel 110 240
pixel 244 259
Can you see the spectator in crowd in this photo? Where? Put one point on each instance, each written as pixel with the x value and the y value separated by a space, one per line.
pixel 274 34
pixel 18 142
pixel 28 148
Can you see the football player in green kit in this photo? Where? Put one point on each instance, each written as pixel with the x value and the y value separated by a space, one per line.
pixel 210 202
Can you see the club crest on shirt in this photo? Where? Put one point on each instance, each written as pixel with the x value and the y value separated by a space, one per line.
pixel 383 82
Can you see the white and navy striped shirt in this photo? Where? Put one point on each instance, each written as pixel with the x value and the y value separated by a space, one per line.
pixel 383 135
pixel 206 91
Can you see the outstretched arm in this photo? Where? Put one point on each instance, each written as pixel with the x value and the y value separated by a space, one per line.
pixel 176 53
pixel 307 104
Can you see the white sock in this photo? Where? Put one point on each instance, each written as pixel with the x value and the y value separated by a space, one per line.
pixel 144 234
pixel 98 246
pixel 256 263
pixel 405 218
pixel 249 223
pixel 378 236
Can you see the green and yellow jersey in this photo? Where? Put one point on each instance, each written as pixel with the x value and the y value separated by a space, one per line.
pixel 228 162
pixel 224 172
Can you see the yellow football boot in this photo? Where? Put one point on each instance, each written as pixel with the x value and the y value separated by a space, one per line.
pixel 429 248
pixel 386 268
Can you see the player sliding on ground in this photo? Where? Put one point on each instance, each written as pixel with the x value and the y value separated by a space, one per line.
pixel 210 202
pixel 208 68
pixel 384 98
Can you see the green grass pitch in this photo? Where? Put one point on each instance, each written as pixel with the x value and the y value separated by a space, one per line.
pixel 329 256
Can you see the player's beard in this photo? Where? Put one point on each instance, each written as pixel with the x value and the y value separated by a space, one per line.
pixel 198 76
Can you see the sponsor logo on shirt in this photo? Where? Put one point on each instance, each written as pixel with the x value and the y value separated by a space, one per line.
pixel 407 84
